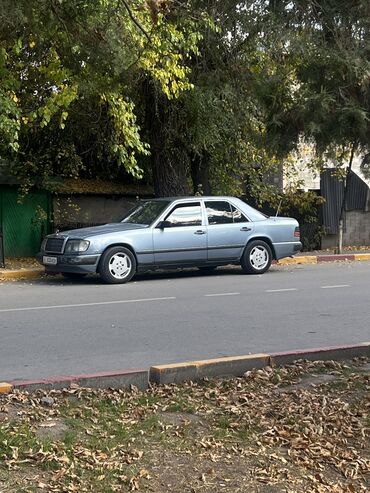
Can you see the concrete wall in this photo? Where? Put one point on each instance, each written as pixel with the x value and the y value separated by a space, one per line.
pixel 357 228
pixel 356 231
pixel 90 209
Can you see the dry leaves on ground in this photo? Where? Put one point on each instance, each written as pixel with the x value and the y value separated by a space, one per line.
pixel 302 428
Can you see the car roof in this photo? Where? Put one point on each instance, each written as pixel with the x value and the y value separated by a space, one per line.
pixel 252 213
pixel 194 197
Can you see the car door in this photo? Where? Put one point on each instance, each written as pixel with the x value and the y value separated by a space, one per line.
pixel 181 238
pixel 228 230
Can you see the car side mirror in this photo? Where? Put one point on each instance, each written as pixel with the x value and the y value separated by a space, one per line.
pixel 163 224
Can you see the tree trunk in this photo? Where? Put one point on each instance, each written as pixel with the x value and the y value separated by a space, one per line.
pixel 345 193
pixel 200 174
pixel 169 161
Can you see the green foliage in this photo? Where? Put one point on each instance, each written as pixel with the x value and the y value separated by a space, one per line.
pixel 67 86
pixel 126 141
pixel 218 93
pixel 327 94
pixel 9 109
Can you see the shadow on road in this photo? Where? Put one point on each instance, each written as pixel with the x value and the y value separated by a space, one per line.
pixel 153 275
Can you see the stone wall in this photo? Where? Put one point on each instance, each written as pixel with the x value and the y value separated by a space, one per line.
pixel 93 209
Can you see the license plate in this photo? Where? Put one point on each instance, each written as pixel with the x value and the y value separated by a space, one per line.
pixel 49 260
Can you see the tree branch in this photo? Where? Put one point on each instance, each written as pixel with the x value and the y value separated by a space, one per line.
pixel 135 21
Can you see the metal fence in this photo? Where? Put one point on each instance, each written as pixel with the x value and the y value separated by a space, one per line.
pixel 2 256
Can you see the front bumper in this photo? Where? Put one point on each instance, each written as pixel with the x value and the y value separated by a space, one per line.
pixel 81 264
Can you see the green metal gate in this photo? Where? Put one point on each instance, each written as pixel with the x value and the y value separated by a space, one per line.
pixel 24 223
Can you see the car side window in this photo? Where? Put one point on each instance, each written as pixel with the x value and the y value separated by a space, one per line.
pixel 185 215
pixel 222 212
pixel 238 216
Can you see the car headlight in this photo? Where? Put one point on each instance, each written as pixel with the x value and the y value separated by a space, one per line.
pixel 76 246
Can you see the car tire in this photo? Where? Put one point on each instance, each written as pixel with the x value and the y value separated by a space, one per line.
pixel 257 257
pixel 117 265
pixel 73 275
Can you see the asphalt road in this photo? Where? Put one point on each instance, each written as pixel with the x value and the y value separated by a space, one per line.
pixel 58 327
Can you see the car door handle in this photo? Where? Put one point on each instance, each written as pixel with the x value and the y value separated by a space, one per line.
pixel 245 228
pixel 199 232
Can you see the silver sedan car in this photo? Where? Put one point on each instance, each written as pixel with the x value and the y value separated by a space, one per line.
pixel 202 232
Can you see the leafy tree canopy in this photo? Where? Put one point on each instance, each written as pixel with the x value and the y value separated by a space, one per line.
pixel 68 73
pixel 195 95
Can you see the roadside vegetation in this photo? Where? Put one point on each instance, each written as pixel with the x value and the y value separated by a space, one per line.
pixel 301 428
pixel 197 96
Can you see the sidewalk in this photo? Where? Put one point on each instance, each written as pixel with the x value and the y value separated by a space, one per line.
pixel 21 268
pixel 29 268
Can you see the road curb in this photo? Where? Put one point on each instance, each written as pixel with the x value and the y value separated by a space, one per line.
pixel 344 352
pixel 5 388
pixel 115 379
pixel 197 370
pixel 303 259
pixel 316 259
pixel 32 273
pixel 234 366
pixel 362 256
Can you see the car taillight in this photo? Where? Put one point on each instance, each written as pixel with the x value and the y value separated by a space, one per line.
pixel 297 233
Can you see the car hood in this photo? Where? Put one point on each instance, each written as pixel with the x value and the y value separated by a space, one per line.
pixel 101 230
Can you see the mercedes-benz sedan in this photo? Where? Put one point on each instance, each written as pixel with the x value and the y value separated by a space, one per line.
pixel 202 232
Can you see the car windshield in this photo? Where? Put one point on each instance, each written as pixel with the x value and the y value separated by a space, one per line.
pixel 146 212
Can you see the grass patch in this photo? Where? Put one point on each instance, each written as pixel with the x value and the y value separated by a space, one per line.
pixel 181 405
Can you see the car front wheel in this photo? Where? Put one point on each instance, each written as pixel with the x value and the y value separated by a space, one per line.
pixel 257 257
pixel 117 265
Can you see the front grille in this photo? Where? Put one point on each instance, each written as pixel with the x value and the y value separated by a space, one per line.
pixel 54 245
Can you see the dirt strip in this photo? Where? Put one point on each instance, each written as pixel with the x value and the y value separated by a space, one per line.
pixel 301 428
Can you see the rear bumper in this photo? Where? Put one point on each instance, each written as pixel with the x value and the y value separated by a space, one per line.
pixel 287 249
pixel 81 264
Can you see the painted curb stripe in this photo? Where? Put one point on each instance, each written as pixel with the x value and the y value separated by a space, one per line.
pixel 5 388
pixel 362 256
pixel 304 259
pixel 21 274
pixel 213 368
pixel 333 258
pixel 205 362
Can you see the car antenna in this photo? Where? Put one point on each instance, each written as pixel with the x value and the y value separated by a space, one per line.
pixel 278 209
